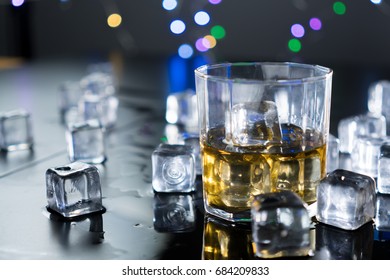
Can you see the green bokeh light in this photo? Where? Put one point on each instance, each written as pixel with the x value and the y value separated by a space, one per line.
pixel 218 32
pixel 294 45
pixel 339 8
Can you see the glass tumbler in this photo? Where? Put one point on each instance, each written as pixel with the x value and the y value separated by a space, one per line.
pixel 263 128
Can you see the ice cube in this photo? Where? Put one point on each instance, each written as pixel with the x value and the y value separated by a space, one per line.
pixel 98 83
pixel 193 141
pixel 173 213
pixel 379 100
pixel 332 153
pixel 70 93
pixel 333 243
pixel 365 155
pixel 346 199
pixel 103 108
pixel 384 168
pixel 382 213
pixel 255 124
pixel 74 189
pixel 86 142
pixel 173 168
pixel 280 225
pixel 360 125
pixel 181 108
pixel 15 130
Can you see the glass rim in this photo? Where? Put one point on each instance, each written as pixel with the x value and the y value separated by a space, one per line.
pixel 326 72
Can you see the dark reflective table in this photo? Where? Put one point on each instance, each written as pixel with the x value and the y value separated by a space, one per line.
pixel 137 223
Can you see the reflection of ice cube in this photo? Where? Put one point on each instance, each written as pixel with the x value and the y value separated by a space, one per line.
pixel 173 213
pixel 365 155
pixel 86 142
pixel 173 168
pixel 74 189
pixel 346 199
pixel 280 225
pixel 337 244
pixel 382 215
pixel 361 125
pixel 15 130
pixel 332 153
pixel 255 123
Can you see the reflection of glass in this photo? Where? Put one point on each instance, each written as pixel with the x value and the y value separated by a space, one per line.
pixel 336 244
pixel 263 128
pixel 173 213
pixel 223 241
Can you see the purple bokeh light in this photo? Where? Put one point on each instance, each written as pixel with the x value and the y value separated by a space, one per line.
pixel 297 30
pixel 315 23
pixel 215 2
pixel 200 45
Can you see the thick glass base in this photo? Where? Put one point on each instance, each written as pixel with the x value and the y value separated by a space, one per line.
pixel 243 216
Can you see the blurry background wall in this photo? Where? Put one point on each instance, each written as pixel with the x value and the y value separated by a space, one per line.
pixel 255 29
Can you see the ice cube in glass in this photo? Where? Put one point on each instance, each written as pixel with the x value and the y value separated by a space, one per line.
pixel 173 168
pixel 332 153
pixel 86 142
pixel 15 130
pixel 280 225
pixel 173 212
pixel 384 168
pixel 255 123
pixel 346 199
pixel 73 189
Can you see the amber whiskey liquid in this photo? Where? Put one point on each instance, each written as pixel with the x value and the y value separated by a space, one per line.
pixel 232 175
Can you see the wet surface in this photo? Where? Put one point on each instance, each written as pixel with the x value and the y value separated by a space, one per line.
pixel 137 223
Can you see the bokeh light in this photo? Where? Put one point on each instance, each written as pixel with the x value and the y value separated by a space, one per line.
pixel 169 5
pixel 177 26
pixel 17 3
pixel 185 51
pixel 294 45
pixel 376 1
pixel 215 2
pixel 202 18
pixel 339 8
pixel 315 23
pixel 200 45
pixel 114 20
pixel 218 32
pixel 297 30
pixel 209 41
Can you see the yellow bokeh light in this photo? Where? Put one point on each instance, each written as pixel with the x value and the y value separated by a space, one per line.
pixel 114 20
pixel 209 41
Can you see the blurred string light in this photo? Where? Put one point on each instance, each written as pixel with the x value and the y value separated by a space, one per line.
pixel 202 18
pixel 315 23
pixel 169 5
pixel 177 26
pixel 114 20
pixel 17 3
pixel 297 30
pixel 339 8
